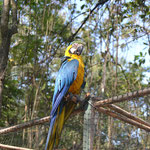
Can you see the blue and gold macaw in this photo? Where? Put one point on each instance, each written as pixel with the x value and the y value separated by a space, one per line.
pixel 70 79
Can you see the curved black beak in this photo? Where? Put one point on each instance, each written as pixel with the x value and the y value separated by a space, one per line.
pixel 79 50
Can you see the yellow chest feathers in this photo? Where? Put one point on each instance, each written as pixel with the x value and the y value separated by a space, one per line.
pixel 76 86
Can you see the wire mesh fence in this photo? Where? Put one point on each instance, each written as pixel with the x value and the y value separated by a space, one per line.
pixel 97 128
pixel 29 138
pixel 35 136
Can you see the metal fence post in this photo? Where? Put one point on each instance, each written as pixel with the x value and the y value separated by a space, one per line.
pixel 88 127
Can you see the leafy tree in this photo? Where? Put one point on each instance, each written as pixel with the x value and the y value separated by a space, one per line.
pixel 45 29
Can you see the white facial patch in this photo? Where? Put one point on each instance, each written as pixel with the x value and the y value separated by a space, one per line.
pixel 72 50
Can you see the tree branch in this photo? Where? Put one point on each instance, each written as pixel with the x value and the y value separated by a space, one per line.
pixel 42 120
pixel 121 98
pixel 14 17
pixel 101 2
pixel 25 125
pixel 5 17
pixel 12 147
pixel 127 114
pixel 123 118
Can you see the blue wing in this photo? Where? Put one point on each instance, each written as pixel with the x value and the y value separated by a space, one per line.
pixel 66 75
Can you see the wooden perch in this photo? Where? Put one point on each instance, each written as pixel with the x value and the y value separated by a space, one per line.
pixel 12 147
pixel 127 114
pixel 121 98
pixel 123 118
pixel 25 125
pixel 38 121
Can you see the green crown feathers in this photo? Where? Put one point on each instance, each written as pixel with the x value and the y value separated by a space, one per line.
pixel 79 42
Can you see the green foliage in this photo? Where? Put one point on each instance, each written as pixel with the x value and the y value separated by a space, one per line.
pixel 12 102
pixel 44 32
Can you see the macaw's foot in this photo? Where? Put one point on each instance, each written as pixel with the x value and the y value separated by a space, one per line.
pixel 75 98
pixel 71 97
pixel 84 103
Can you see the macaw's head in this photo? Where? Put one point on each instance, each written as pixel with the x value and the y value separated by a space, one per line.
pixel 75 49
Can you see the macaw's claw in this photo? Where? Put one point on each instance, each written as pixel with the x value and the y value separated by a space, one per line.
pixel 70 97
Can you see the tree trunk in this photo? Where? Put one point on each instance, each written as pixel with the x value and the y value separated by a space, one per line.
pixel 6 34
pixel 1 89
pixel 4 51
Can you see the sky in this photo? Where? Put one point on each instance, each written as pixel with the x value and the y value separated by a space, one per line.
pixel 134 48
